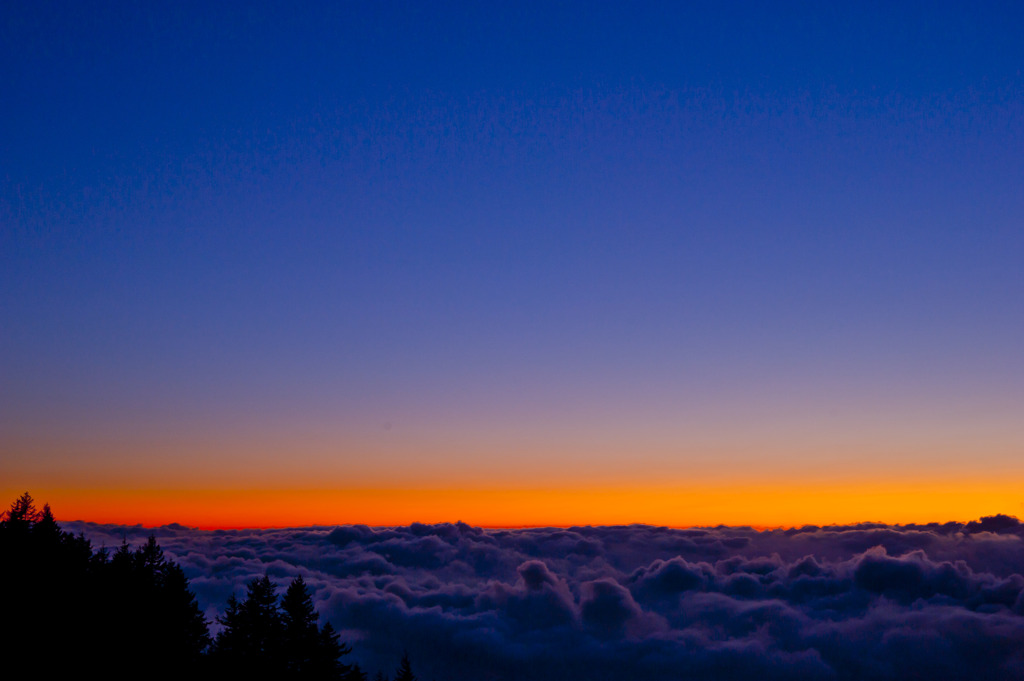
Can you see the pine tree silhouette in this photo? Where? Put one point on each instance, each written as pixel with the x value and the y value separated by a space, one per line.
pixel 260 638
pixel 251 640
pixel 355 674
pixel 301 635
pixel 21 516
pixel 137 601
pixel 46 530
pixel 329 653
pixel 187 629
pixel 404 672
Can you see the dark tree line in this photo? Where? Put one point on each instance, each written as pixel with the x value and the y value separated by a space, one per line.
pixel 261 637
pixel 65 608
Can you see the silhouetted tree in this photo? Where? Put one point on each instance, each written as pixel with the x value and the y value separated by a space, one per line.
pixel 309 652
pixel 22 513
pixel 46 530
pixel 150 611
pixel 404 672
pixel 188 631
pixel 355 674
pixel 251 639
pixel 138 602
pixel 16 523
pixel 301 635
pixel 231 639
pixel 58 594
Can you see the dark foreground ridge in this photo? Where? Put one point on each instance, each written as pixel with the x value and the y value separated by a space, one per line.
pixel 69 610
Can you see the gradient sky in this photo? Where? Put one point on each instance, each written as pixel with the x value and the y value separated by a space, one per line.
pixel 679 263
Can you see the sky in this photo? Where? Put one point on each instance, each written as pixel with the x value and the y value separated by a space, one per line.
pixel 512 263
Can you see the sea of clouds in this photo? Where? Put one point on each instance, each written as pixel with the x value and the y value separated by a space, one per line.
pixel 870 601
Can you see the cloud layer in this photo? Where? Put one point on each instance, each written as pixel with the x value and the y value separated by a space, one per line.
pixel 854 602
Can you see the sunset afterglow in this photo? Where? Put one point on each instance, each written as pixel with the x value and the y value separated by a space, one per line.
pixel 564 267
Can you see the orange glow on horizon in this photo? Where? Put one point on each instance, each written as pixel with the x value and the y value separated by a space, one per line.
pixel 760 505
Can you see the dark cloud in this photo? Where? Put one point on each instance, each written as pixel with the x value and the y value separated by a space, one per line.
pixel 938 601
pixel 996 523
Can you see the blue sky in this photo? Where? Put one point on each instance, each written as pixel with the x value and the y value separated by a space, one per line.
pixel 668 232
